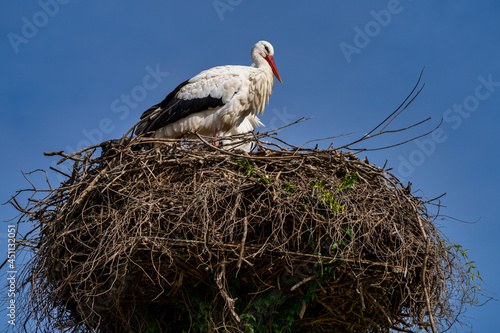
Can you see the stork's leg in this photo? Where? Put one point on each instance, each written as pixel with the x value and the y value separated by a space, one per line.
pixel 215 135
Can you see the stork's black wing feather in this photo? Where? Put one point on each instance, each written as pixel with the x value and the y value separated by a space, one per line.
pixel 172 109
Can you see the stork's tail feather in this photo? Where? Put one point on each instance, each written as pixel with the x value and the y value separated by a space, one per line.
pixel 147 120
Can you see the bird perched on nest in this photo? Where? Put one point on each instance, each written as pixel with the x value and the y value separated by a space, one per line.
pixel 224 100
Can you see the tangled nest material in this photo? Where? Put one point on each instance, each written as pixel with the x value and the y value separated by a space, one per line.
pixel 192 237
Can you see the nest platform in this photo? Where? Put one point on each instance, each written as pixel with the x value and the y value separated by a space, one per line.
pixel 188 237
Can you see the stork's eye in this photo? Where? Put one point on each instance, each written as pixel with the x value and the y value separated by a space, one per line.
pixel 267 49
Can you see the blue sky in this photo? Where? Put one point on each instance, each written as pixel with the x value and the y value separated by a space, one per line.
pixel 78 72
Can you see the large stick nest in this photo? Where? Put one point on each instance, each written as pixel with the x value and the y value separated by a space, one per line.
pixel 190 237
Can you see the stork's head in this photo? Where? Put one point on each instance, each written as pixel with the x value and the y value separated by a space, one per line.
pixel 264 51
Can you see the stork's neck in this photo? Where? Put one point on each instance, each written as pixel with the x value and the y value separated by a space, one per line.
pixel 262 82
pixel 259 61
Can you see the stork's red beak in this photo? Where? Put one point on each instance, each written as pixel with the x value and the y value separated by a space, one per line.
pixel 270 60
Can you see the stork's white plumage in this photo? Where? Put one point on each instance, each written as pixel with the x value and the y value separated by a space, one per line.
pixel 247 125
pixel 221 99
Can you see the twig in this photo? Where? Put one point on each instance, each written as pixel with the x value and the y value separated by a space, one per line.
pixel 302 282
pixel 359 290
pixel 229 301
pixel 243 240
pixel 397 109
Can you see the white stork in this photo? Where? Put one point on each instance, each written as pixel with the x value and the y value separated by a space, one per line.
pixel 224 99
